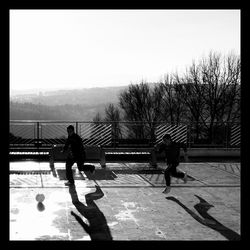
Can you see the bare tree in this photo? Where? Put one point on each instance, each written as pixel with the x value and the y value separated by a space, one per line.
pixel 141 103
pixel 211 92
pixel 231 78
pixel 221 81
pixel 172 104
pixel 208 95
pixel 191 92
pixel 112 115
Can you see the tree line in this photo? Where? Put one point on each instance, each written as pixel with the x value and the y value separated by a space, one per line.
pixel 207 96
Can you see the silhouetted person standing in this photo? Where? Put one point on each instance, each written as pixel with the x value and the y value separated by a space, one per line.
pixel 172 153
pixel 76 153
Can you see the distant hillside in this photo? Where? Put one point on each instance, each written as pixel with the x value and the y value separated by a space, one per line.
pixel 89 97
pixel 30 111
pixel 79 104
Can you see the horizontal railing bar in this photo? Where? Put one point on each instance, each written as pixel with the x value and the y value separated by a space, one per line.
pixel 131 122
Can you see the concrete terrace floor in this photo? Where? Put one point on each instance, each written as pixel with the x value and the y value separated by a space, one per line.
pixel 125 202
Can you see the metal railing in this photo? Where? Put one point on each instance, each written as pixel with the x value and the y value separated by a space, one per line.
pixel 117 134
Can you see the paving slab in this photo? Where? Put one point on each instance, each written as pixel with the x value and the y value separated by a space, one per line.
pixel 125 205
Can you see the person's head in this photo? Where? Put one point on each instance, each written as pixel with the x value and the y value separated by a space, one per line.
pixel 167 139
pixel 70 130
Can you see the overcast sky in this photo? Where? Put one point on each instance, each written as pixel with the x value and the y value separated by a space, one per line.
pixel 95 48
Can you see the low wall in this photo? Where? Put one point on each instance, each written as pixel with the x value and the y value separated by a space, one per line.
pixel 93 153
pixel 213 152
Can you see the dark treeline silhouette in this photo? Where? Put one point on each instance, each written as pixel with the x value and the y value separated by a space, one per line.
pixel 207 96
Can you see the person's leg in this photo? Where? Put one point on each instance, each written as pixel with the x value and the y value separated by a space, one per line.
pixel 167 176
pixel 80 164
pixel 82 167
pixel 69 174
pixel 177 173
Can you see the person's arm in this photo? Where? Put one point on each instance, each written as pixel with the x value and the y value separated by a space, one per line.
pixel 66 146
pixel 159 148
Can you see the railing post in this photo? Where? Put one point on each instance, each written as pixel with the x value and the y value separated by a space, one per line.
pixel 34 131
pixel 114 132
pixel 102 157
pixel 153 158
pixel 51 157
pixel 188 135
pixel 225 133
pixel 76 127
pixel 37 131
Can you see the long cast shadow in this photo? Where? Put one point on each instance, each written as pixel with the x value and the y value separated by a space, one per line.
pixel 202 208
pixel 98 228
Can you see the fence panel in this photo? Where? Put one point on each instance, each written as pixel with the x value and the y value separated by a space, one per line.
pixel 133 130
pixel 178 132
pixel 235 135
pixel 95 133
pixel 54 132
pixel 22 133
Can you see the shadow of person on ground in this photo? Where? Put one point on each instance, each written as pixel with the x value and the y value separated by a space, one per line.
pixel 100 174
pixel 98 228
pixel 202 208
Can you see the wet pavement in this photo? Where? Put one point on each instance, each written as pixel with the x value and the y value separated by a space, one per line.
pixel 125 202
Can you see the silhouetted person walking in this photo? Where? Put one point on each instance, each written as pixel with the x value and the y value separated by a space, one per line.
pixel 172 154
pixel 76 153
